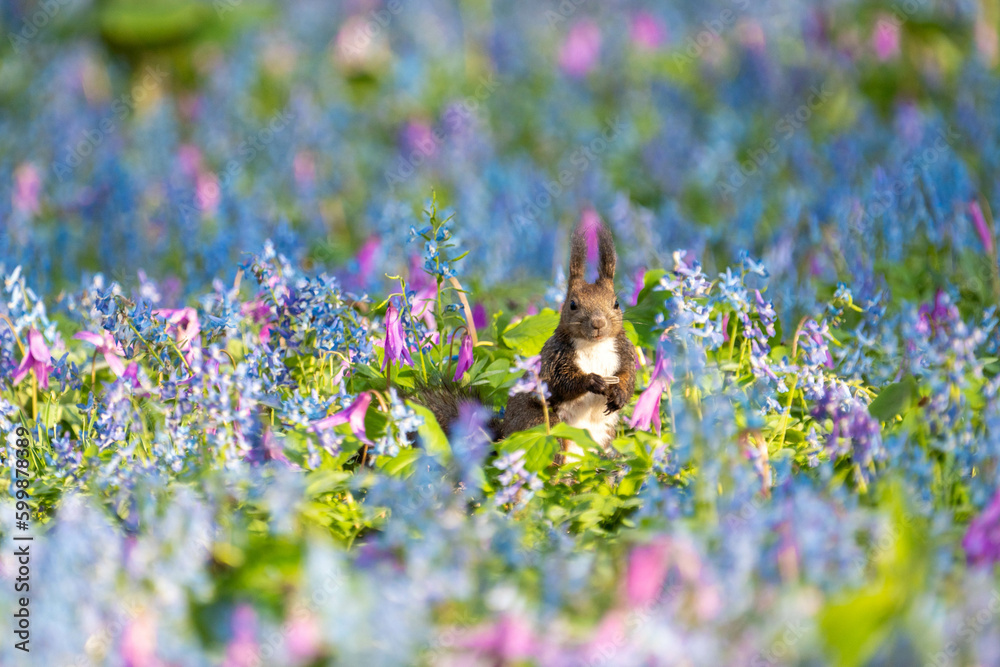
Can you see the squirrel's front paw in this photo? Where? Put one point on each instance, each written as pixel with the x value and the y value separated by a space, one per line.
pixel 616 400
pixel 596 384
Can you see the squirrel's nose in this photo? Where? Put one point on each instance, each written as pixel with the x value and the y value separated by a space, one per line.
pixel 598 323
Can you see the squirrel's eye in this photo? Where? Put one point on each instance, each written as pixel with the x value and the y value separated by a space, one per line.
pixel 572 305
pixel 616 304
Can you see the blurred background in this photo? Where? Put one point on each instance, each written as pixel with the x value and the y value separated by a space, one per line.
pixel 834 140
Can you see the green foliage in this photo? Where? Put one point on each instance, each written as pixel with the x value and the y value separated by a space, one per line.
pixel 529 334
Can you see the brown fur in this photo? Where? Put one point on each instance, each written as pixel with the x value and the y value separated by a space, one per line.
pixel 589 313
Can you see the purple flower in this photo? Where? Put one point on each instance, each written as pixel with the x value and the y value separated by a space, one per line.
pixel 464 358
pixel 647 408
pixel 37 359
pixel 479 319
pixel 590 224
pixel 580 51
pixel 982 540
pixel 366 257
pixel 395 338
pixel 108 346
pixel 530 382
pixel 354 415
pixel 982 229
pixel 640 282
pixel 27 187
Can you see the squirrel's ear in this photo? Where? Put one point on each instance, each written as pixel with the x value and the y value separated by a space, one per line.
pixel 577 259
pixel 608 257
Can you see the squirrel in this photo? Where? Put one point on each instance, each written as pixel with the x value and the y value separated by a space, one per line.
pixel 588 364
pixel 589 346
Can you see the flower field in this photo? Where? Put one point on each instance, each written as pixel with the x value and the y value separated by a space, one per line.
pixel 243 243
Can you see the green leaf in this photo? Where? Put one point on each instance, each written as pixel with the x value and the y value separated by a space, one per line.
pixel 431 435
pixel 529 335
pixel 152 23
pixel 630 332
pixel 894 400
pixel 854 628
pixel 642 316
pixel 539 448
pixel 577 435
pixel 402 464
pixel 325 481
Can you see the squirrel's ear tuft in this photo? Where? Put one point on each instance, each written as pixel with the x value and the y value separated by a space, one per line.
pixel 577 259
pixel 608 257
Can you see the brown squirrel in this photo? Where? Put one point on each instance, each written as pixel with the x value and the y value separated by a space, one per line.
pixel 579 362
pixel 588 346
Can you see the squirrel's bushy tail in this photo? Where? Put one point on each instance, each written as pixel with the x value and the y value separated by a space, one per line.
pixel 445 403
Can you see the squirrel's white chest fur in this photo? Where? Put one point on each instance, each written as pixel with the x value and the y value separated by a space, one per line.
pixel 587 411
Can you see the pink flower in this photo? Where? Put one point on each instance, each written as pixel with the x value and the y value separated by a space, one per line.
pixel 207 192
pixel 189 160
pixel 260 312
pixel 304 638
pixel 366 258
pixel 27 187
pixel 508 639
pixel 647 408
pixel 418 136
pixel 304 167
pixel 183 324
pixel 581 48
pixel 885 39
pixel 979 222
pixel 354 415
pixel 395 338
pixel 37 359
pixel 590 224
pixel 423 305
pixel 647 570
pixel 646 31
pixel 108 346
pixel 242 650
pixel 138 647
pixel 464 358
pixel 982 539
